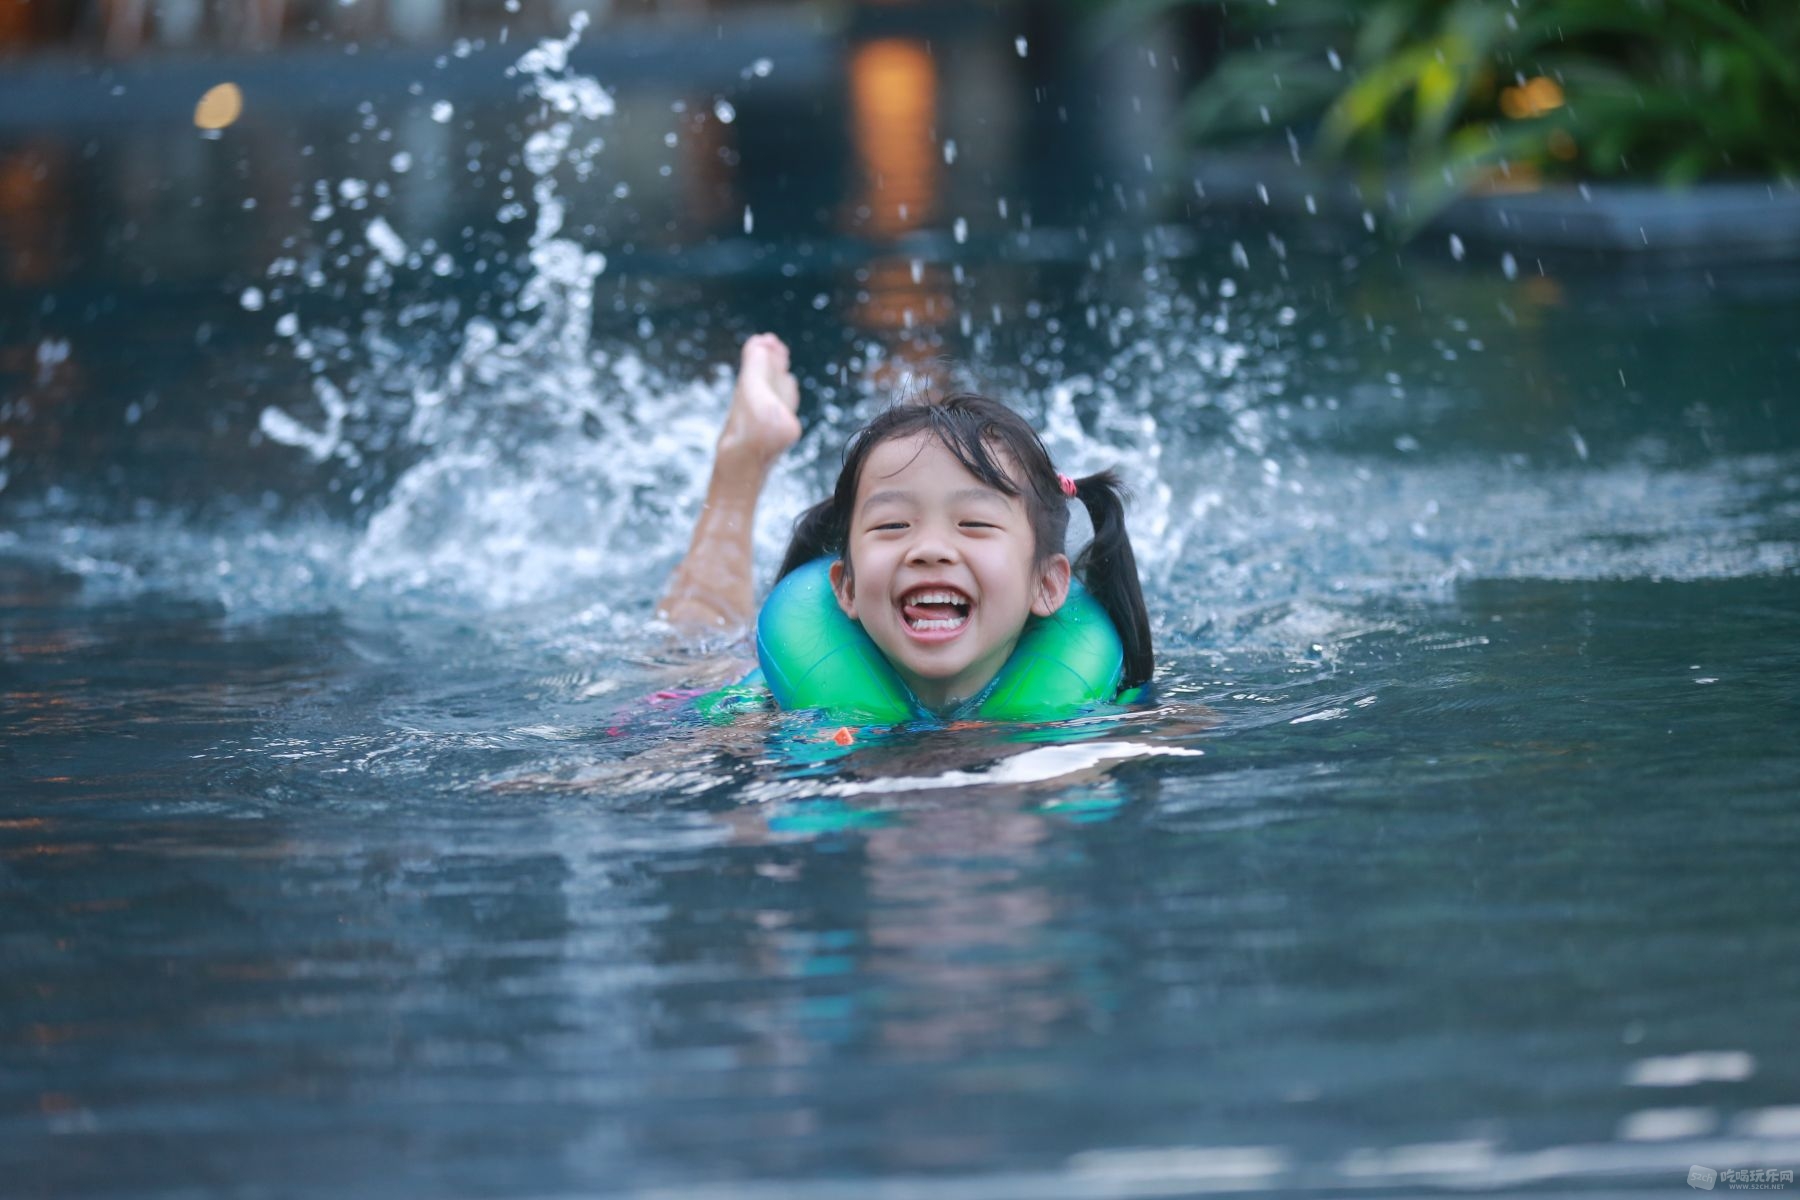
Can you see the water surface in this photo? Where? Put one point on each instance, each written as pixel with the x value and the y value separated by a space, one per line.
pixel 348 851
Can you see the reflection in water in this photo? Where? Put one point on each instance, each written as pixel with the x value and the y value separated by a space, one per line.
pixel 902 295
pixel 906 303
pixel 711 194
pixel 959 928
pixel 29 234
pixel 951 934
pixel 893 97
pixel 893 91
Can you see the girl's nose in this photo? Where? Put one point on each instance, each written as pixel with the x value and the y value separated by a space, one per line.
pixel 932 546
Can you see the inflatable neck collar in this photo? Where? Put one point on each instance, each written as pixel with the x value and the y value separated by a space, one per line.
pixel 815 657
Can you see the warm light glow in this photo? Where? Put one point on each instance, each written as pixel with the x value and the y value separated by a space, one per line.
pixel 893 97
pixel 902 296
pixel 32 184
pixel 905 303
pixel 16 26
pixel 221 106
pixel 1534 98
pixel 709 189
pixel 1542 290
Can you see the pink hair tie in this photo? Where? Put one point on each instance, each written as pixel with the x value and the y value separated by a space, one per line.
pixel 1068 485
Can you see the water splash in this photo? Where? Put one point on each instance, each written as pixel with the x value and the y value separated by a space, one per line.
pixel 533 461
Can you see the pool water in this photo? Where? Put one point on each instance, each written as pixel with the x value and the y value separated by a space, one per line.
pixel 348 849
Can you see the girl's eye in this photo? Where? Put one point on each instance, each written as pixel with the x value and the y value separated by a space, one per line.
pixel 979 525
pixel 890 525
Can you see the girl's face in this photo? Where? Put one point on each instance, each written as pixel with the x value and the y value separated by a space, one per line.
pixel 943 569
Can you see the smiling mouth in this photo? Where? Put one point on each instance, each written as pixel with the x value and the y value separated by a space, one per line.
pixel 935 610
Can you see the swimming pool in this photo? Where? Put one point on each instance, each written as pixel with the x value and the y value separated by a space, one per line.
pixel 347 853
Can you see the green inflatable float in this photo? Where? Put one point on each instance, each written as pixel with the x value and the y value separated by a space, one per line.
pixel 812 656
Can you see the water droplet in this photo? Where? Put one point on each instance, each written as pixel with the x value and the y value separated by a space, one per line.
pixel 387 243
pixel 442 111
pixel 288 325
pixel 959 229
pixel 723 110
pixel 761 68
pixel 1456 248
pixel 252 299
pixel 1509 266
pixel 749 220
pixel 401 163
pixel 949 150
pixel 1331 56
pixel 1020 45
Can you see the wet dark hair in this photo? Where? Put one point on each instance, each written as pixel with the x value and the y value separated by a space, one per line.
pixel 982 433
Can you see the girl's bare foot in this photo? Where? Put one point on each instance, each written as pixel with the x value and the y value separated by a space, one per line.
pixel 762 421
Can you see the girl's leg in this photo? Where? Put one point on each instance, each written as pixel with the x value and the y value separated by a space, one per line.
pixel 714 586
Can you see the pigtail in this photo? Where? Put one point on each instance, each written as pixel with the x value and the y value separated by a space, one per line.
pixel 1108 568
pixel 817 532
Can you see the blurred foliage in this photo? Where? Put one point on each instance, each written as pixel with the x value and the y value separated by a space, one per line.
pixel 1503 93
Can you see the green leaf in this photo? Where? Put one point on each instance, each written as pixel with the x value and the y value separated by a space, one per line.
pixel 1687 166
pixel 1367 104
pixel 1232 99
pixel 1768 53
pixel 1668 84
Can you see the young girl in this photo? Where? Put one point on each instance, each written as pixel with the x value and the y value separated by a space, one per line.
pixel 944 539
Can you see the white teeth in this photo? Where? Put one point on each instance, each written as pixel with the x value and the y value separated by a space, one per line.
pixel 937 597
